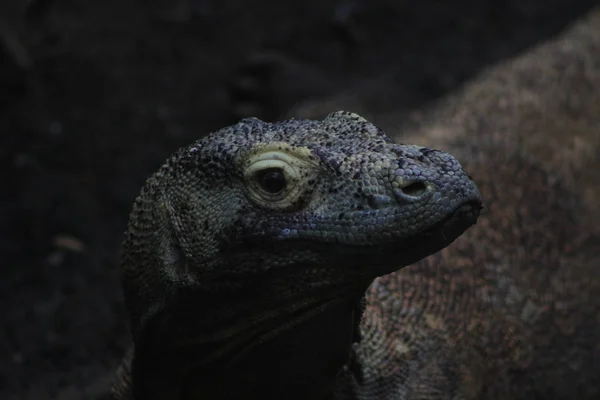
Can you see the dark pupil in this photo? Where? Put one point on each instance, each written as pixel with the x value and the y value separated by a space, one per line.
pixel 272 180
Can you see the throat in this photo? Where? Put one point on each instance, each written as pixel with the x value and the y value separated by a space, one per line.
pixel 299 363
pixel 296 355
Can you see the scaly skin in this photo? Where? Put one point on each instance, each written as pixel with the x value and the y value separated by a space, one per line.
pixel 512 309
pixel 247 255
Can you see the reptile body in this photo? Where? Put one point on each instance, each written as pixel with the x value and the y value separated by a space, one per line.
pixel 510 310
pixel 248 253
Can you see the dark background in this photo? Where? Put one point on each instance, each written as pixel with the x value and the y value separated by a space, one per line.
pixel 95 94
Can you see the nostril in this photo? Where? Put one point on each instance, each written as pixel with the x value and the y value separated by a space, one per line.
pixel 415 189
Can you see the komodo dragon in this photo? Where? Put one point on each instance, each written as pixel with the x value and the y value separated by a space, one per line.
pixel 249 252
pixel 512 309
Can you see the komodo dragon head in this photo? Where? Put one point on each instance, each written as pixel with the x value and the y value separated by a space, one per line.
pixel 248 252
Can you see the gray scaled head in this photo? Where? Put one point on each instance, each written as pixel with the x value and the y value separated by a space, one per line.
pixel 331 202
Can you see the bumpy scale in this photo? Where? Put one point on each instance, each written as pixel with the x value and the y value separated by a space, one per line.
pixel 247 256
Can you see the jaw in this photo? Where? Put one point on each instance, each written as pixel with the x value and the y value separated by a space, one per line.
pixel 311 303
pixel 438 236
pixel 362 261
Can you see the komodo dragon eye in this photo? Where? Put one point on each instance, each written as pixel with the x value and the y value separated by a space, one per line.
pixel 272 179
pixel 277 175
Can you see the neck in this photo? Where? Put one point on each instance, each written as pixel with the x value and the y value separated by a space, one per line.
pixel 222 346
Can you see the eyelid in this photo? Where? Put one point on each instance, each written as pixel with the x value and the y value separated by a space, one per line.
pixel 296 165
pixel 290 173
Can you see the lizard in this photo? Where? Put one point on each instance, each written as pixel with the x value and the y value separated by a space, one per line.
pixel 511 309
pixel 249 252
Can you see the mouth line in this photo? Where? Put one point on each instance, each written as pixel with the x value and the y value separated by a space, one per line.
pixel 429 240
pixel 465 214
pixel 381 257
pixel 432 238
pixel 449 228
pixel 403 252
